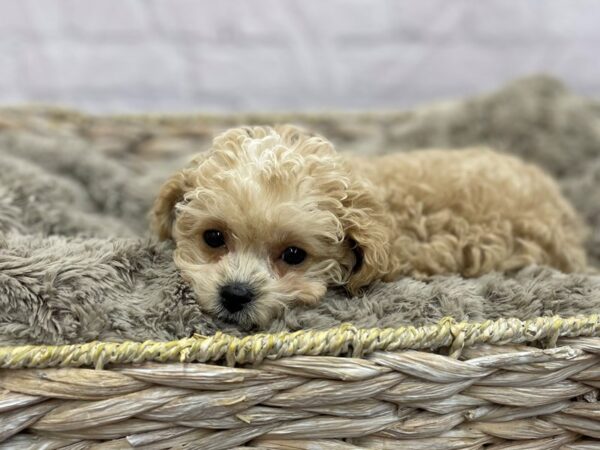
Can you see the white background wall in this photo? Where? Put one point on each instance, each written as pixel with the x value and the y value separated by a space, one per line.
pixel 107 55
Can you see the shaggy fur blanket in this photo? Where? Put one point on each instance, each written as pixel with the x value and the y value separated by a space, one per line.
pixel 77 262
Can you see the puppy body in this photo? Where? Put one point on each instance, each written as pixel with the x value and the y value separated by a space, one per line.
pixel 355 220
pixel 471 212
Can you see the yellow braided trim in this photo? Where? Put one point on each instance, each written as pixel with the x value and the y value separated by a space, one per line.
pixel 343 340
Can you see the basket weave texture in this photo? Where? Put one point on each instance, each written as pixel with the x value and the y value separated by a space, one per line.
pixel 498 384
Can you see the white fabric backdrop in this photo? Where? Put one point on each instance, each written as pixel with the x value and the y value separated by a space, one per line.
pixel 123 55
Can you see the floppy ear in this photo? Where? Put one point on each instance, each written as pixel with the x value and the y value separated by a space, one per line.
pixel 367 228
pixel 162 215
pixel 171 192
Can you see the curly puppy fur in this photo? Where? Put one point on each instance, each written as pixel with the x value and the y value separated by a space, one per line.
pixel 359 220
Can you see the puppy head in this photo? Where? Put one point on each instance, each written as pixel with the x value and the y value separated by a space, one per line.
pixel 269 217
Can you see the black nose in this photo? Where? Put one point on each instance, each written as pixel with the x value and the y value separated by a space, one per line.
pixel 235 295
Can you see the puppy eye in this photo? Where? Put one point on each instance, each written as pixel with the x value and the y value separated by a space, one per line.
pixel 293 256
pixel 214 238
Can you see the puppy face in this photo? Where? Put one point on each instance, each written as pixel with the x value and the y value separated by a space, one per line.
pixel 267 218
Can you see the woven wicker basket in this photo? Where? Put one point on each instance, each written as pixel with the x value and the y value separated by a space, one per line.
pixel 499 384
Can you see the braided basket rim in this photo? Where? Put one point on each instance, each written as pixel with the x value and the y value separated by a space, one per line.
pixel 344 340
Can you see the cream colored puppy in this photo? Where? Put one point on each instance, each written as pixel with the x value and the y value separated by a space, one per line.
pixel 273 216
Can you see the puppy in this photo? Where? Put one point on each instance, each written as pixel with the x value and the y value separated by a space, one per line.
pixel 272 216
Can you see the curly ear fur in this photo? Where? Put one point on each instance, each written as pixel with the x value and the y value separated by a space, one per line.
pixel 162 215
pixel 367 228
pixel 172 192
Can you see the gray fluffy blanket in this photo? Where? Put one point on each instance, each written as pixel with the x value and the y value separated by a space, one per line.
pixel 77 262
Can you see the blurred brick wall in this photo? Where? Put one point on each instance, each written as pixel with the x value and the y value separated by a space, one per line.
pixel 287 54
